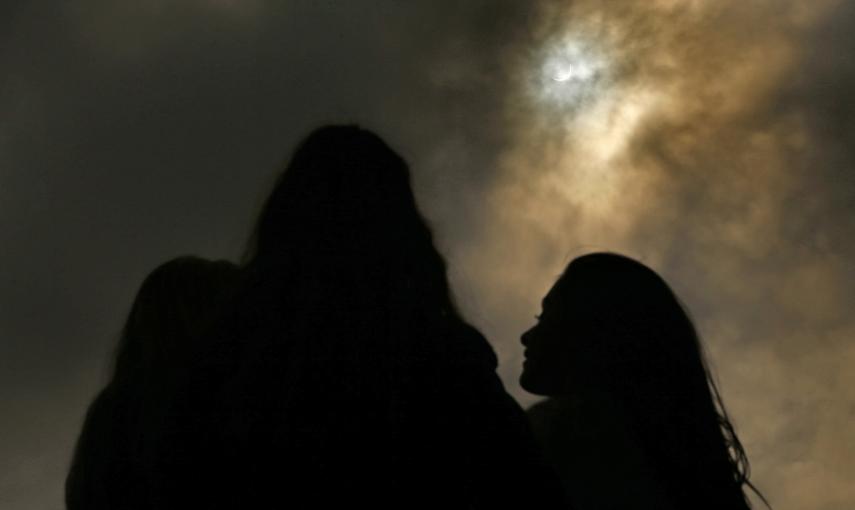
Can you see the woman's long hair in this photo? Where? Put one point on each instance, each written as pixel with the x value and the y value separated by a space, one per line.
pixel 340 243
pixel 344 287
pixel 344 207
pixel 633 328
pixel 342 273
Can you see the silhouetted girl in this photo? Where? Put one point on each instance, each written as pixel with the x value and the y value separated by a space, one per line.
pixel 111 465
pixel 361 384
pixel 635 420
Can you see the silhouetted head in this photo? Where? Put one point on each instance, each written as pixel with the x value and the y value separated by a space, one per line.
pixel 173 306
pixel 609 324
pixel 343 215
pixel 612 328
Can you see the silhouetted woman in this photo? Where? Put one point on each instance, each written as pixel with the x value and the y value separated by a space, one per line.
pixel 111 465
pixel 360 383
pixel 635 420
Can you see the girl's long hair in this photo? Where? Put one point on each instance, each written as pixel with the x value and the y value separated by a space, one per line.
pixel 344 206
pixel 637 331
pixel 343 300
pixel 340 243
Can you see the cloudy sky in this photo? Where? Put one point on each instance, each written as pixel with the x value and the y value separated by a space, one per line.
pixel 712 139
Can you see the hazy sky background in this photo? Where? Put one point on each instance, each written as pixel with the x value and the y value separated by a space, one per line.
pixel 712 139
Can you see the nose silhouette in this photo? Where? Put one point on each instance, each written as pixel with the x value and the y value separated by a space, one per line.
pixel 525 338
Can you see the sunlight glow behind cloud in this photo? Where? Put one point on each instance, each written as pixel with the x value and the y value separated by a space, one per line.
pixel 572 72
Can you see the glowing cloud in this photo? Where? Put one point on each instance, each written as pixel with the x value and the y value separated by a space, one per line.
pixel 571 72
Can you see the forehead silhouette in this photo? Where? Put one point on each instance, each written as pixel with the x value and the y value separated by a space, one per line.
pixel 608 277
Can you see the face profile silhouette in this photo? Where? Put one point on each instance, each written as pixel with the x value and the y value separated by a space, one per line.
pixel 549 360
pixel 614 347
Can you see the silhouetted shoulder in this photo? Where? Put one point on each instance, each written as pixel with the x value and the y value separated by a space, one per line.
pixel 464 344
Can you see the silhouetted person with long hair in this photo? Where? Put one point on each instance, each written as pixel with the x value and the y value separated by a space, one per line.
pixel 360 384
pixel 635 420
pixel 111 465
